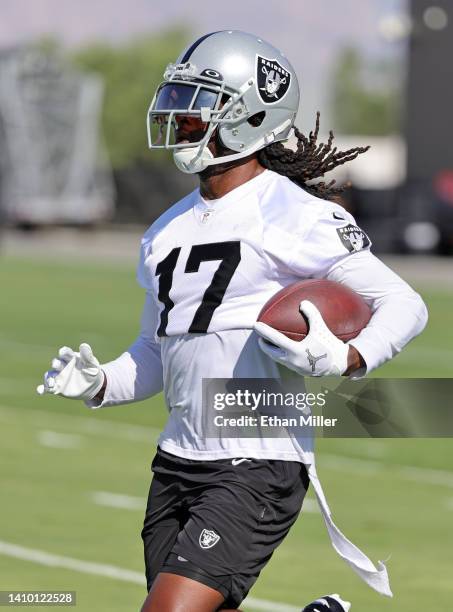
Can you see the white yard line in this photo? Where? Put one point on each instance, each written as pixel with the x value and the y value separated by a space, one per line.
pixel 86 567
pixel 117 500
pixel 349 464
pixel 425 475
pixel 310 506
pixel 83 424
pixel 105 427
pixel 430 476
pixel 112 571
pixel 54 439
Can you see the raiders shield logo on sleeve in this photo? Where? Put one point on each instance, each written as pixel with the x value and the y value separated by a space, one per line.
pixel 272 80
pixel 353 238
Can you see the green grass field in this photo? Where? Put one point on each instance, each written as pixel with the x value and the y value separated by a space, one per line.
pixel 58 460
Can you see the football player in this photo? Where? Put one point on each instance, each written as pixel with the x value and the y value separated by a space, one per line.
pixel 218 508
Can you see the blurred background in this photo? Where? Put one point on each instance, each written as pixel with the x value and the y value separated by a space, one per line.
pixel 76 81
pixel 77 189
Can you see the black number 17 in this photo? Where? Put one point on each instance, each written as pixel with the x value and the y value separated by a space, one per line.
pixel 230 255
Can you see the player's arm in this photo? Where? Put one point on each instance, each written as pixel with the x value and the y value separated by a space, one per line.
pixel 133 376
pixel 399 314
pixel 336 249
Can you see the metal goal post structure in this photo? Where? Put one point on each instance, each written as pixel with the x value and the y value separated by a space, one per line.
pixel 52 165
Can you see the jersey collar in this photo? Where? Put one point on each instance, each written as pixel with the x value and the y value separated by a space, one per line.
pixel 202 206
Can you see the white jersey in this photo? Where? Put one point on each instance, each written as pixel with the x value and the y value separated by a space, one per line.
pixel 211 265
pixel 208 267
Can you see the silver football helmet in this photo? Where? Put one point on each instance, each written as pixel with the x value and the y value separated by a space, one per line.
pixel 233 82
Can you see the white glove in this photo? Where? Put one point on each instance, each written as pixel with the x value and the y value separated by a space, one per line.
pixel 73 375
pixel 322 604
pixel 346 604
pixel 320 353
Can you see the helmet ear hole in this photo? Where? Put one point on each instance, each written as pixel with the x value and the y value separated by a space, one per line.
pixel 257 119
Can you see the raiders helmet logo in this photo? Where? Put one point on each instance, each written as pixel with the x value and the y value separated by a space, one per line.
pixel 272 80
pixel 208 538
pixel 353 238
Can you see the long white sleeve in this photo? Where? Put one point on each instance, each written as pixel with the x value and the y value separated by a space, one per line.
pixel 399 313
pixel 137 373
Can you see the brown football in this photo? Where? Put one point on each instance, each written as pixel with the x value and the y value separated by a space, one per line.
pixel 345 312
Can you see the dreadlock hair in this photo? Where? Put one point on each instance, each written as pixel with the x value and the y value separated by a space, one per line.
pixel 309 161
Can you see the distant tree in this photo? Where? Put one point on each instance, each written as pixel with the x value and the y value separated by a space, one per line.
pixel 130 73
pixel 364 105
pixel 48 44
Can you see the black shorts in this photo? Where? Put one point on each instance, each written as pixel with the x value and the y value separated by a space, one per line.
pixel 218 522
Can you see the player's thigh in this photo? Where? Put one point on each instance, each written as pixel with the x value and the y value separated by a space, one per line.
pixel 174 593
pixel 162 523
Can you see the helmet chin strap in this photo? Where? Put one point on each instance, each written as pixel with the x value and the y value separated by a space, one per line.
pixel 191 160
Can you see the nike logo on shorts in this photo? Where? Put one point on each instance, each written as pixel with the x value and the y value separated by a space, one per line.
pixel 238 461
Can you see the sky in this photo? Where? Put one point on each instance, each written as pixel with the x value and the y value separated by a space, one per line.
pixel 310 32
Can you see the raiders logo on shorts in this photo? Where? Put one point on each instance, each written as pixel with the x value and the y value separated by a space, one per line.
pixel 272 80
pixel 208 538
pixel 353 238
